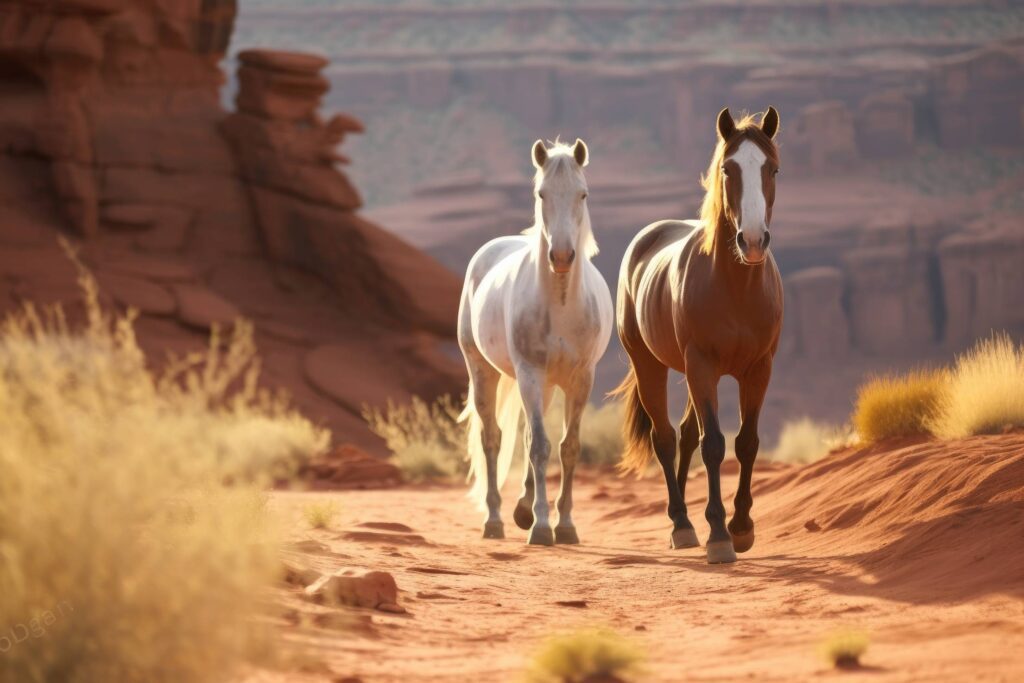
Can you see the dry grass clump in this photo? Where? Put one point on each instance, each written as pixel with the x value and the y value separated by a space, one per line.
pixel 427 443
pixel 321 515
pixel 601 433
pixel 845 648
pixel 803 441
pixel 984 391
pixel 895 406
pixel 591 654
pixel 134 541
pixel 424 438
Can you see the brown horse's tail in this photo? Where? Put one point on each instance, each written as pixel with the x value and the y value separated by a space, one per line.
pixel 636 428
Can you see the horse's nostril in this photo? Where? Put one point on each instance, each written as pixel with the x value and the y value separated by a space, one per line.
pixel 739 239
pixel 767 239
pixel 572 256
pixel 551 255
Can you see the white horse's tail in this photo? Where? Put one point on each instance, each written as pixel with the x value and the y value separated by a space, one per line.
pixel 508 407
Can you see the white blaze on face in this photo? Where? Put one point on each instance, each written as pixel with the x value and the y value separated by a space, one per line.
pixel 753 208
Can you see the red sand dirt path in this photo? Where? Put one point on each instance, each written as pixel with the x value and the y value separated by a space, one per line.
pixel 921 545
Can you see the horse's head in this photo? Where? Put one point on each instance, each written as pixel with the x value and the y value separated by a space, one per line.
pixel 746 163
pixel 561 203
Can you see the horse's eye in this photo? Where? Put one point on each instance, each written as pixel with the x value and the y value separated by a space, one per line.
pixel 583 196
pixel 541 195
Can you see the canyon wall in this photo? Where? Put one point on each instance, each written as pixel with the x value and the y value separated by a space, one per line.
pixel 113 134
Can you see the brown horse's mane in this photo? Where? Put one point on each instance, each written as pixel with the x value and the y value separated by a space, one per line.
pixel 712 211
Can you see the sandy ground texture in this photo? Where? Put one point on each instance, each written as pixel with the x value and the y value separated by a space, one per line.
pixel 920 545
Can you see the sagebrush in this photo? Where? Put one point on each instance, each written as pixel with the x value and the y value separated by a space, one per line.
pixel 427 442
pixel 133 530
pixel 805 440
pixel 982 393
pixel 588 654
pixel 898 405
pixel 844 649
pixel 321 514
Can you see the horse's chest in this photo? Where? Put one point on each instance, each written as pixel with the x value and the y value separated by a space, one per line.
pixel 555 337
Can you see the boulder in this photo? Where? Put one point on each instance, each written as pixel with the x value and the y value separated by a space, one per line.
pixel 373 590
pixel 349 467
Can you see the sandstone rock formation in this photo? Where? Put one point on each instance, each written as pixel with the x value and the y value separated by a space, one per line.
pixel 822 138
pixel 885 125
pixel 112 130
pixel 983 282
pixel 977 98
pixel 815 325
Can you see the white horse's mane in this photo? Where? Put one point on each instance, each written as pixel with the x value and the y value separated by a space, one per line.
pixel 560 160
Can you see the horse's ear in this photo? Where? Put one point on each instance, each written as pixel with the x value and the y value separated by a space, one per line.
pixel 770 123
pixel 540 154
pixel 726 126
pixel 580 153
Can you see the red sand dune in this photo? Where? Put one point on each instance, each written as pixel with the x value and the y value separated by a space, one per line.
pixel 919 544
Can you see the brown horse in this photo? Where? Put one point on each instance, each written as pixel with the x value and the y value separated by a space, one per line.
pixel 705 298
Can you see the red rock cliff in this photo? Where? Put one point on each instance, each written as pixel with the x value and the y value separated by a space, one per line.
pixel 112 132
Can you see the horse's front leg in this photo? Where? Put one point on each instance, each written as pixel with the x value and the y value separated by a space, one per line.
pixel 753 386
pixel 538 450
pixel 702 380
pixel 569 451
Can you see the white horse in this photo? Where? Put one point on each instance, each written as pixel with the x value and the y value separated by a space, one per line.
pixel 534 315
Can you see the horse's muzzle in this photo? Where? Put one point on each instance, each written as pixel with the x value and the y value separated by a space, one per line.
pixel 753 254
pixel 561 261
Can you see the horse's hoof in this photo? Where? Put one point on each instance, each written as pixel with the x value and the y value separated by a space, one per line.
pixel 523 517
pixel 743 542
pixel 721 552
pixel 494 530
pixel 566 535
pixel 541 535
pixel 684 538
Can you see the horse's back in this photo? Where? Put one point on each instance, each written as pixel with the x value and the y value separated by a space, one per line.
pixel 489 255
pixel 646 290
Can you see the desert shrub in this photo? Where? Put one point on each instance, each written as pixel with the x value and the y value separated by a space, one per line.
pixel 898 405
pixel 134 540
pixel 585 655
pixel 845 648
pixel 601 434
pixel 984 391
pixel 424 438
pixel 320 515
pixel 427 443
pixel 804 441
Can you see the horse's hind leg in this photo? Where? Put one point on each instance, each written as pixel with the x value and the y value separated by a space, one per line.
pixel 702 380
pixel 753 386
pixel 538 450
pixel 485 389
pixel 652 385
pixel 575 401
